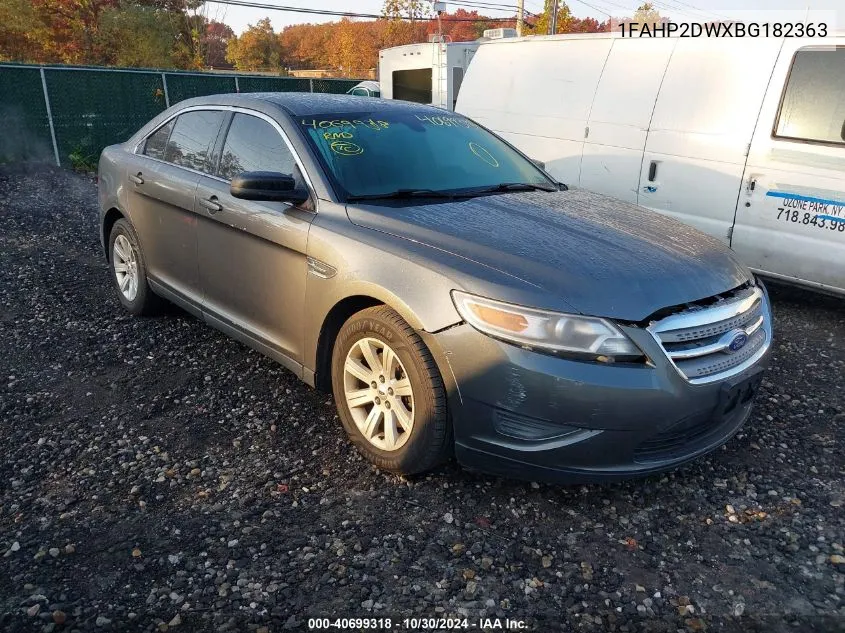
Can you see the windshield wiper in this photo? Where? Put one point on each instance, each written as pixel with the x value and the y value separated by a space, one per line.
pixel 403 193
pixel 516 186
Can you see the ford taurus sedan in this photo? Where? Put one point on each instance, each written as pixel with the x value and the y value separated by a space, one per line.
pixel 452 296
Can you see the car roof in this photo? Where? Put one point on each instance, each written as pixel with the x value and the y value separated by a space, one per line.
pixel 293 104
pixel 310 103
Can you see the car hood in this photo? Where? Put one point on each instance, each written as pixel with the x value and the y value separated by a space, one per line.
pixel 601 256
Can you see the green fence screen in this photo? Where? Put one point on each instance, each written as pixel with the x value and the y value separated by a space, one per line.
pixel 25 127
pixel 90 108
pixel 181 87
pixel 274 84
pixel 334 86
pixel 93 108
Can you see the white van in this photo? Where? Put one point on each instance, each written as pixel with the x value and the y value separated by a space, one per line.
pixel 741 138
pixel 429 73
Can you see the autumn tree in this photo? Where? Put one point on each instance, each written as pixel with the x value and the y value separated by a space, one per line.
pixel 587 25
pixel 543 23
pixel 137 36
pixel 23 34
pixel 352 50
pixel 257 48
pixel 647 14
pixel 463 25
pixel 305 45
pixel 214 43
pixel 72 28
pixel 413 9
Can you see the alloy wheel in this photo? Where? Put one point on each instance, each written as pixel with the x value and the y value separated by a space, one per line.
pixel 125 264
pixel 378 394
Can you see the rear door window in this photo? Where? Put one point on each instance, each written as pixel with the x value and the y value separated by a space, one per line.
pixel 252 144
pixel 813 106
pixel 191 143
pixel 156 143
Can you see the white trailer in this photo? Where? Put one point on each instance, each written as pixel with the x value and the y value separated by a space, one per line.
pixel 430 73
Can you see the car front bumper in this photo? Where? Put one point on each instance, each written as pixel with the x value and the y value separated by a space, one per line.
pixel 523 414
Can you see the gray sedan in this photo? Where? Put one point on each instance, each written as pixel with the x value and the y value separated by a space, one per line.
pixel 452 296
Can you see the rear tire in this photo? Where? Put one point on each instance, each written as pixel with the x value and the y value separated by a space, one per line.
pixel 129 271
pixel 389 393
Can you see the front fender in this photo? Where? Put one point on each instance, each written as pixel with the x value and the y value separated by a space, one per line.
pixel 367 263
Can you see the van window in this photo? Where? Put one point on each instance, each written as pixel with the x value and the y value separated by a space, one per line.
pixel 252 144
pixel 813 107
pixel 192 140
pixel 412 85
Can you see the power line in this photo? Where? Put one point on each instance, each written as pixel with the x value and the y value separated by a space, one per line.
pixel 595 8
pixel 342 14
pixel 683 11
pixel 492 5
pixel 476 4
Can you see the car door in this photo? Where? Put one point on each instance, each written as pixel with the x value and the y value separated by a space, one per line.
pixel 163 176
pixel 702 125
pixel 252 262
pixel 790 219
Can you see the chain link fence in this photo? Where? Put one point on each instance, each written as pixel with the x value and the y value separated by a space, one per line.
pixel 68 114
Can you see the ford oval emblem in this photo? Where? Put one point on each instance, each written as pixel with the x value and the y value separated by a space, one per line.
pixel 738 342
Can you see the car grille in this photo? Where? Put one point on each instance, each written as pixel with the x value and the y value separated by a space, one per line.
pixel 705 342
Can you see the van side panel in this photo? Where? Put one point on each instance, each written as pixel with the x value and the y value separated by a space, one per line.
pixel 791 223
pixel 702 127
pixel 620 116
pixel 537 94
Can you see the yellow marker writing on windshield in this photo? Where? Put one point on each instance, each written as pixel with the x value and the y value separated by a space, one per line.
pixel 483 154
pixel 346 148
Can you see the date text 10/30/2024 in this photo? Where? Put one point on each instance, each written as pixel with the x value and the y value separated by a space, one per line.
pixel 417 624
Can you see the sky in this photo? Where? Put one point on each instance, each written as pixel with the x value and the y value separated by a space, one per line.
pixel 831 11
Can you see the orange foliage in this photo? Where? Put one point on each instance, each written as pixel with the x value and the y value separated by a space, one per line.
pixel 353 46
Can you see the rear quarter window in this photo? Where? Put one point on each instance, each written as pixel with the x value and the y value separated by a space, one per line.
pixel 813 105
pixel 156 143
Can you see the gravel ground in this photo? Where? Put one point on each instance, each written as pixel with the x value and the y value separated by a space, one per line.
pixel 158 476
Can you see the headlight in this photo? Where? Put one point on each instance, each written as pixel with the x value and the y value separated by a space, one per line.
pixel 584 337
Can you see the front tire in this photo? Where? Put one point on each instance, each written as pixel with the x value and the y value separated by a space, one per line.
pixel 129 271
pixel 389 394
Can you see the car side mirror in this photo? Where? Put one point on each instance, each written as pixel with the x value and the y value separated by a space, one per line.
pixel 269 186
pixel 539 163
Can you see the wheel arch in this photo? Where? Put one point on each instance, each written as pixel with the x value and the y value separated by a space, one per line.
pixel 109 219
pixel 338 314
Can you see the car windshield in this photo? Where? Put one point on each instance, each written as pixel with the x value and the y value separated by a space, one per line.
pixel 394 152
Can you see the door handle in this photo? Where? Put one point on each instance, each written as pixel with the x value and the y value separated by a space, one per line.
pixel 211 204
pixel 137 179
pixel 652 171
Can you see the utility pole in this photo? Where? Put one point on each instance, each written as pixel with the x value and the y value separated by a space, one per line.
pixel 520 17
pixel 553 22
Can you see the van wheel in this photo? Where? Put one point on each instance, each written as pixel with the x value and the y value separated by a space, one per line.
pixel 129 272
pixel 389 394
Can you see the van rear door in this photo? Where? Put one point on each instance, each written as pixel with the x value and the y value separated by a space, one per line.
pixel 620 115
pixel 537 93
pixel 702 125
pixel 790 219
